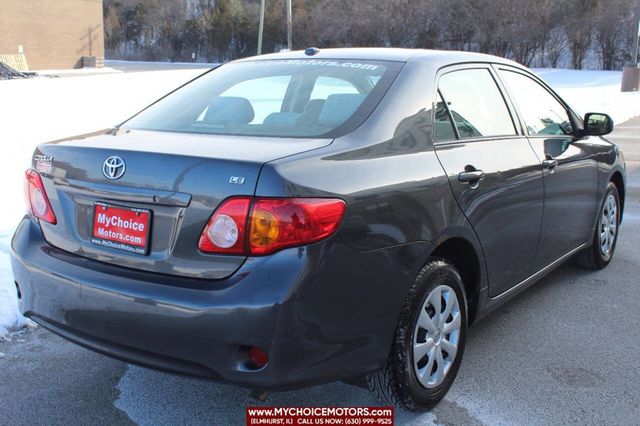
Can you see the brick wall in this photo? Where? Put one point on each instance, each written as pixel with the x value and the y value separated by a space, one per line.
pixel 55 34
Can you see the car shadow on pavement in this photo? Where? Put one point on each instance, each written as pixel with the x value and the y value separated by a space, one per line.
pixel 151 397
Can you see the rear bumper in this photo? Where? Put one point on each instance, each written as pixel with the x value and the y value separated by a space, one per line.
pixel 306 324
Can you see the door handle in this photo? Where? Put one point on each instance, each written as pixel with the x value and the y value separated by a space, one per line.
pixel 549 163
pixel 471 176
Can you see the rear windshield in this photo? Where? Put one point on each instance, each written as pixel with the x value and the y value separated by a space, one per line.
pixel 283 98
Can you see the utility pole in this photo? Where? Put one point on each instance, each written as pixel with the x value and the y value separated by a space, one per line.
pixel 261 28
pixel 636 45
pixel 631 71
pixel 289 26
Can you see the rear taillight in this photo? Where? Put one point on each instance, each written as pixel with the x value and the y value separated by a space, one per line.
pixel 36 196
pixel 279 223
pixel 262 226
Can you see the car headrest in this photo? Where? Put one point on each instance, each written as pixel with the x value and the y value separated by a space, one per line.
pixel 229 110
pixel 282 118
pixel 339 107
pixel 314 106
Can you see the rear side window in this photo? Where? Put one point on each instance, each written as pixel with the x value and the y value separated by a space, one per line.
pixel 540 110
pixel 283 98
pixel 476 104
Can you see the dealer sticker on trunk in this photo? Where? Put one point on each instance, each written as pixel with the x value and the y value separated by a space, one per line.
pixel 121 228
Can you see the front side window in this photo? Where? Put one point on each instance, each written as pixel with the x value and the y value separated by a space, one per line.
pixel 282 98
pixel 476 104
pixel 540 110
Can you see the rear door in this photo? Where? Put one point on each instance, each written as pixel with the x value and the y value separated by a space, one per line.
pixel 569 167
pixel 494 174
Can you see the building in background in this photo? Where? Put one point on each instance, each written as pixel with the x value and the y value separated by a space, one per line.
pixel 52 34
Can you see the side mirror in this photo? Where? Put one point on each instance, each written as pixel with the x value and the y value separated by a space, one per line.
pixel 596 124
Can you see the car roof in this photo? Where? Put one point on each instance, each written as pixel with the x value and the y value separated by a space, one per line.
pixel 388 54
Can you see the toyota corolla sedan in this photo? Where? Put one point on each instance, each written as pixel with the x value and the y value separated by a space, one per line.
pixel 305 217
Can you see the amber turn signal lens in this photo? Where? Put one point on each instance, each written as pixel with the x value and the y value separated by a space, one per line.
pixel 265 229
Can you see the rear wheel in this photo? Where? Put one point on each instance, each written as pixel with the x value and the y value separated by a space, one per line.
pixel 429 341
pixel 606 234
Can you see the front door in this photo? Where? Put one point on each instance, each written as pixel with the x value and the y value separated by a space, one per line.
pixel 569 169
pixel 495 176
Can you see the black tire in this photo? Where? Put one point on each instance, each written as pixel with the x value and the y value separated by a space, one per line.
pixel 397 383
pixel 592 257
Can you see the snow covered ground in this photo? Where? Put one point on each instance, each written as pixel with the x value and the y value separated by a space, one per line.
pixel 593 91
pixel 44 109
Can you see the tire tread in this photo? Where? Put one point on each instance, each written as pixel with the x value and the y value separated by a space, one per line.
pixel 589 257
pixel 385 384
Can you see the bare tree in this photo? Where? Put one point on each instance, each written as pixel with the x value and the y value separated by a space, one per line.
pixel 454 18
pixel 351 23
pixel 528 28
pixel 610 30
pixel 578 26
pixel 556 46
pixel 540 31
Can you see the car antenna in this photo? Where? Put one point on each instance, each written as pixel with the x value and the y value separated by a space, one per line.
pixel 310 51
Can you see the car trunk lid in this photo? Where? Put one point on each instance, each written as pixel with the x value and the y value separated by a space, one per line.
pixel 179 179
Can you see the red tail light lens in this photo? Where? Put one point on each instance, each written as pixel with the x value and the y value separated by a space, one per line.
pixel 257 357
pixel 279 223
pixel 36 196
pixel 265 225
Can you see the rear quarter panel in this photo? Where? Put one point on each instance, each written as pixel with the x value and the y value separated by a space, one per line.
pixel 399 207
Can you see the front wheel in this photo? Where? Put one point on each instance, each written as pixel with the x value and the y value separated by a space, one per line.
pixel 429 341
pixel 606 234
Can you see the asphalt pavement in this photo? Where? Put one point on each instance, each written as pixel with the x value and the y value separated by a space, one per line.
pixel 567 351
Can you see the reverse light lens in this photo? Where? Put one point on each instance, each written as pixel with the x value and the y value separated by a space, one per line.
pixel 225 231
pixel 38 203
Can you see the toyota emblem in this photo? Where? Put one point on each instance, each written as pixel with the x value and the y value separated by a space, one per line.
pixel 113 167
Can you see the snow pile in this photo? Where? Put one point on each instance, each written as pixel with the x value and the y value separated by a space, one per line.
pixel 43 109
pixel 593 91
pixel 9 317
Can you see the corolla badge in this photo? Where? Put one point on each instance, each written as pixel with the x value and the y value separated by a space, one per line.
pixel 113 167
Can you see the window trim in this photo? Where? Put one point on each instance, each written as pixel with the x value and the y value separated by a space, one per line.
pixel 576 121
pixel 515 120
pixel 456 134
